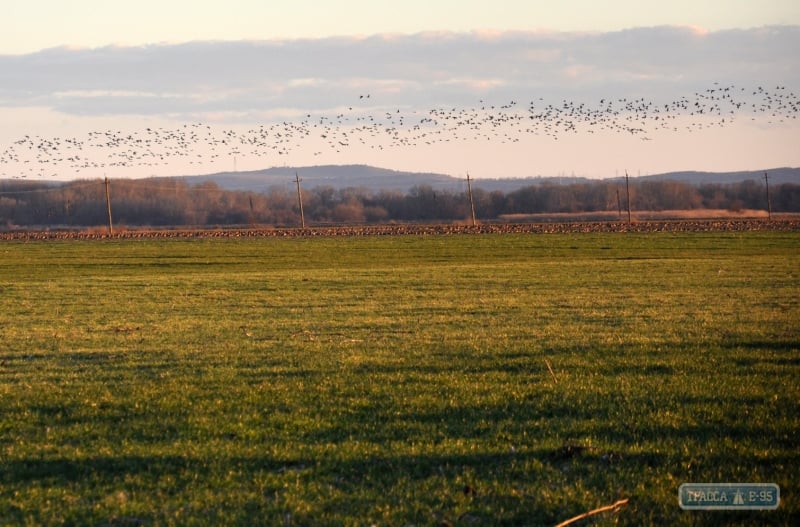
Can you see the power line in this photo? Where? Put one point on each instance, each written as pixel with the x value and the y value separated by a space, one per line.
pixel 52 189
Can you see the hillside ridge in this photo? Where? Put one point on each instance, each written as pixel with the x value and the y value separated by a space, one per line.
pixel 377 179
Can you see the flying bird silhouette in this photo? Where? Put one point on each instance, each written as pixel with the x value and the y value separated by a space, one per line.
pixel 511 122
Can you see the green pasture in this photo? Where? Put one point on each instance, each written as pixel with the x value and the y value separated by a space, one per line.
pixel 397 381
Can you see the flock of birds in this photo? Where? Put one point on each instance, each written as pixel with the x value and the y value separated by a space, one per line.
pixel 379 128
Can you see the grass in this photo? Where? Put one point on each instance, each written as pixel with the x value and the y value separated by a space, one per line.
pixel 397 381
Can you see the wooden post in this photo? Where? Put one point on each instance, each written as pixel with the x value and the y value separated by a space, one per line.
pixel 769 202
pixel 108 208
pixel 619 205
pixel 300 201
pixel 471 202
pixel 628 194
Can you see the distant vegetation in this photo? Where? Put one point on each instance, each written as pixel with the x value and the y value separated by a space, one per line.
pixel 173 202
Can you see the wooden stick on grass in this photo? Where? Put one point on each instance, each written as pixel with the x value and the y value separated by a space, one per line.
pixel 550 368
pixel 614 507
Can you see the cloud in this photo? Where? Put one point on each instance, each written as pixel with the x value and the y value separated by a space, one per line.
pixel 421 70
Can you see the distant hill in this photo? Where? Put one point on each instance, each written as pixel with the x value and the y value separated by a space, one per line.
pixel 777 176
pixel 377 179
pixel 336 176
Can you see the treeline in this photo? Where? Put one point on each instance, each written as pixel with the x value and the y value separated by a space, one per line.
pixel 173 202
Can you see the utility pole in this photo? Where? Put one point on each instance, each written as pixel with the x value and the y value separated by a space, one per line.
pixel 108 207
pixel 471 202
pixel 300 201
pixel 769 202
pixel 252 211
pixel 628 193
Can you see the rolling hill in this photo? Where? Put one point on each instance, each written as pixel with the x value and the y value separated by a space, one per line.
pixel 377 179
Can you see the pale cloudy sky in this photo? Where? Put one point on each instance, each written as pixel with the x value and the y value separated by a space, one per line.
pixel 503 88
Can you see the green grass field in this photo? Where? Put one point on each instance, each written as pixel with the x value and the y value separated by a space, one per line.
pixel 397 380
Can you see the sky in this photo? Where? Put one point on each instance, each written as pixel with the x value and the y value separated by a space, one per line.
pixel 497 89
